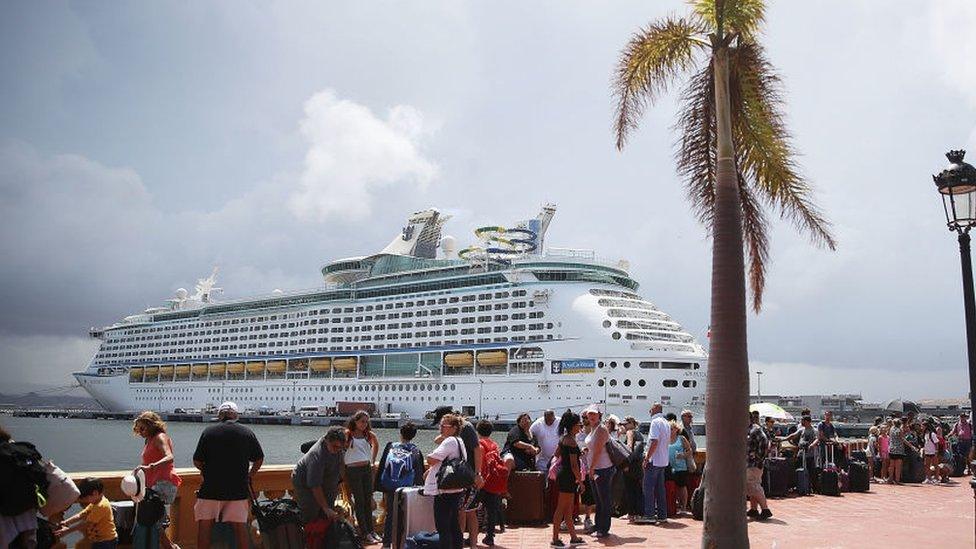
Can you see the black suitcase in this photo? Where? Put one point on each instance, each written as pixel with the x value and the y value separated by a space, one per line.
pixel 858 475
pixel 912 469
pixel 830 482
pixel 777 474
pixel 958 465
pixel 859 455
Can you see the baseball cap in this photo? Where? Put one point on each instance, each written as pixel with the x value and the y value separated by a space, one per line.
pixel 227 407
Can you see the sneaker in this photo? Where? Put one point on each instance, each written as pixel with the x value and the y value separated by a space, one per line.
pixel 588 524
pixel 563 527
pixel 489 541
pixel 557 543
pixel 766 513
pixel 752 513
pixel 662 521
pixel 577 541
pixel 599 535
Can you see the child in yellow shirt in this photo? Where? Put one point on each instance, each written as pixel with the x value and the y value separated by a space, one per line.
pixel 96 518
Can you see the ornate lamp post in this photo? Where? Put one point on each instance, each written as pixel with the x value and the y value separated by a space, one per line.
pixel 957 185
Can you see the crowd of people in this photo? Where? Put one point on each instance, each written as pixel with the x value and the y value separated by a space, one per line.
pixel 594 466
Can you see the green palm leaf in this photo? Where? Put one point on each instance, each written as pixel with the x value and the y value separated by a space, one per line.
pixel 650 62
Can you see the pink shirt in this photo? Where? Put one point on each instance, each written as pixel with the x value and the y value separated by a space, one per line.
pixel 150 454
pixel 964 430
pixel 883 443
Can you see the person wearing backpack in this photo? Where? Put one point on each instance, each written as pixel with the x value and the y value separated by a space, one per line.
pixel 22 479
pixel 495 474
pixel 401 465
pixel 446 464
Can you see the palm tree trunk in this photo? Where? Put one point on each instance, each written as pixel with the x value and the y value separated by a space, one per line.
pixel 727 393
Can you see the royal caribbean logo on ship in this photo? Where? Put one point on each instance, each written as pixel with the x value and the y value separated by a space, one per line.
pixel 583 366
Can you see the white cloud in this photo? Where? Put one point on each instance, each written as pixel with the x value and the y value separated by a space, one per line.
pixel 874 384
pixel 31 362
pixel 352 153
pixel 951 35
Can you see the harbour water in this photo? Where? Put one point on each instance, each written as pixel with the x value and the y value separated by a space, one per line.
pixel 109 445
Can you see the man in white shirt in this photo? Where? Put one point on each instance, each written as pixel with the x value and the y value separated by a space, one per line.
pixel 546 431
pixel 655 463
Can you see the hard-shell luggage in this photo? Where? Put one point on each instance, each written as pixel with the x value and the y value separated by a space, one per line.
pixel 844 481
pixel 527 489
pixel 124 517
pixel 860 481
pixel 912 468
pixel 777 472
pixel 859 455
pixel 958 465
pixel 830 477
pixel 412 512
pixel 803 476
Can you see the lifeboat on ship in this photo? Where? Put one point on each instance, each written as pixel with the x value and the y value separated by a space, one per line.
pixel 165 372
pixel 320 365
pixel 199 371
pixel 459 360
pixel 255 369
pixel 345 364
pixel 276 367
pixel 492 358
pixel 217 370
pixel 183 371
pixel 152 372
pixel 235 368
pixel 135 374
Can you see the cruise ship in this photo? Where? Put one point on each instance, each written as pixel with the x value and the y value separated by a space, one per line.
pixel 500 327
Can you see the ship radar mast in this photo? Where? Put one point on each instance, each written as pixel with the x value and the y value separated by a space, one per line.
pixel 205 289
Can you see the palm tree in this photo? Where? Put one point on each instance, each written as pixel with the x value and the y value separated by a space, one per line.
pixel 736 158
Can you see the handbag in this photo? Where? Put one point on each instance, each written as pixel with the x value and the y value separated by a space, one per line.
pixel 618 452
pixel 690 458
pixel 455 473
pixel 150 509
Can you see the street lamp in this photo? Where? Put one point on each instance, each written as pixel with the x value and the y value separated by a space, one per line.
pixel 957 185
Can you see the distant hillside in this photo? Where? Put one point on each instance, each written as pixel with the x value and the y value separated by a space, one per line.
pixel 35 400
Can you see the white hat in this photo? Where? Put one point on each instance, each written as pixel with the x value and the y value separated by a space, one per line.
pixel 227 406
pixel 134 485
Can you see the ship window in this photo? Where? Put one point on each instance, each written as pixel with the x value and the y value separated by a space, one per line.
pixel 613 364
pixel 689 383
pixel 613 382
pixel 649 365
pixel 600 383
pixel 606 323
pixel 641 382
pixel 670 382
pixel 697 366
pixel 615 335
pixel 676 365
pixel 626 383
pixel 599 364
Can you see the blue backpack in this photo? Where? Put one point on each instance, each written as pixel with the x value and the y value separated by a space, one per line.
pixel 398 471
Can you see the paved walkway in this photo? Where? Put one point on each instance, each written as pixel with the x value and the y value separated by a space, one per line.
pixel 913 515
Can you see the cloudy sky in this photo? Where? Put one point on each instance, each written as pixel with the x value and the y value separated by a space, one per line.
pixel 142 144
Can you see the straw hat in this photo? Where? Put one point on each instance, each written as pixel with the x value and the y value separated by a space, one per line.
pixel 134 485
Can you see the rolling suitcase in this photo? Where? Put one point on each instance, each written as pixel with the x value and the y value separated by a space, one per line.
pixel 843 480
pixel 803 477
pixel 527 505
pixel 279 522
pixel 413 512
pixel 859 479
pixel 777 476
pixel 912 469
pixel 671 494
pixel 830 477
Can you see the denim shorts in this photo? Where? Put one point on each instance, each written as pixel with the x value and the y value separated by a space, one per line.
pixel 167 492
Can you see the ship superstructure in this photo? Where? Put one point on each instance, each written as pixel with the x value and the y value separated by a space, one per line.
pixel 494 329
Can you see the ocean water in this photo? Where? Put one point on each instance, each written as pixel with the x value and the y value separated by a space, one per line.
pixel 78 445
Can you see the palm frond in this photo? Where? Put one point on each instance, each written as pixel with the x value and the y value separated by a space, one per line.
pixel 742 17
pixel 696 159
pixel 698 146
pixel 650 62
pixel 764 151
pixel 755 233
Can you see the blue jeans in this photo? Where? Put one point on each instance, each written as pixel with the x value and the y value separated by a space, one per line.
pixel 446 507
pixel 655 500
pixel 602 484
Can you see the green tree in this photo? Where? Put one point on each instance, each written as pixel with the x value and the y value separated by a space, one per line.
pixel 737 160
